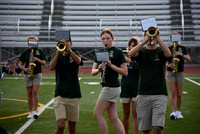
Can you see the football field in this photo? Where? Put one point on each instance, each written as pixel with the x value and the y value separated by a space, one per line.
pixel 14 107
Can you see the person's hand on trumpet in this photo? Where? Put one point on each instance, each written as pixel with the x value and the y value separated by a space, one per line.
pixel 68 46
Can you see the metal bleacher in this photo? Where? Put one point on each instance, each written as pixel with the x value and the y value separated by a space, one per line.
pixel 22 18
pixel 122 17
pixel 19 19
pixel 85 20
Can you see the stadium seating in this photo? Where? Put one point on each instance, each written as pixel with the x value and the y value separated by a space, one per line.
pixel 86 19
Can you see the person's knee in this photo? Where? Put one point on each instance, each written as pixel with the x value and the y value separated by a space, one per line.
pixel 113 118
pixel 61 124
pixel 134 115
pixel 157 129
pixel 72 127
pixel 71 123
pixel 172 93
pixel 179 96
pixel 126 115
pixel 97 115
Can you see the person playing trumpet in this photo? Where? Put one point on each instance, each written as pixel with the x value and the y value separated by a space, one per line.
pixel 67 90
pixel 151 101
pixel 32 84
pixel 176 78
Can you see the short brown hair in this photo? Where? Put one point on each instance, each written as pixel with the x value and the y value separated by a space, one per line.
pixel 136 41
pixel 107 31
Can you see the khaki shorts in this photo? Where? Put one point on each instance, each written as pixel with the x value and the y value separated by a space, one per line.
pixel 178 77
pixel 110 93
pixel 151 111
pixel 67 108
pixel 35 81
pixel 127 100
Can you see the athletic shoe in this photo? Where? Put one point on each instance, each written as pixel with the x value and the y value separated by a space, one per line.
pixel 35 115
pixel 179 115
pixel 173 115
pixel 30 115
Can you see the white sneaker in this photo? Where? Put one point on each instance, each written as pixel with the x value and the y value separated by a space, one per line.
pixel 30 115
pixel 179 115
pixel 173 115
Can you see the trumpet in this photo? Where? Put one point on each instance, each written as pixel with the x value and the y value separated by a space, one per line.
pixel 61 46
pixel 152 31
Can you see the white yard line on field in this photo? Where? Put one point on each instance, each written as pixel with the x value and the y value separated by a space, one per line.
pixel 192 81
pixel 28 123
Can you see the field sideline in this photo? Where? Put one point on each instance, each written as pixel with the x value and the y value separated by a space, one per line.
pixel 14 104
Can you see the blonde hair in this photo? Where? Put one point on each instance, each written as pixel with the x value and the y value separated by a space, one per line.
pixel 32 37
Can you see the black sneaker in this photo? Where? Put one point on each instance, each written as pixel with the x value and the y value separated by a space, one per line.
pixel 173 115
pixel 35 116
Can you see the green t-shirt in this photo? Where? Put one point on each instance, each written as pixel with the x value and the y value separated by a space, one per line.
pixel 24 57
pixel 180 49
pixel 129 84
pixel 67 81
pixel 116 57
pixel 151 72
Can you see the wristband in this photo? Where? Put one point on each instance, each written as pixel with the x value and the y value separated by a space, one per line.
pixel 181 54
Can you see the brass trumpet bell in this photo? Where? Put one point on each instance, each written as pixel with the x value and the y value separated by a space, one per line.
pixel 60 46
pixel 152 31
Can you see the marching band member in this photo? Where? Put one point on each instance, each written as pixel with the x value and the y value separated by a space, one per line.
pixel 67 90
pixel 152 96
pixel 176 79
pixel 32 75
pixel 107 101
pixel 129 88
